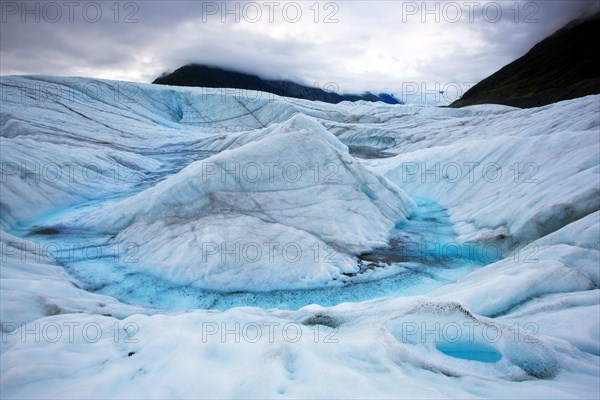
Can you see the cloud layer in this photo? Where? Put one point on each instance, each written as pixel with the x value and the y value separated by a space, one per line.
pixel 357 45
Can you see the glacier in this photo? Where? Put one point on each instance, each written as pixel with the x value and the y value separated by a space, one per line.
pixel 162 242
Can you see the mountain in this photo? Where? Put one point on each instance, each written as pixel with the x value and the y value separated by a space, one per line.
pixel 561 67
pixel 213 77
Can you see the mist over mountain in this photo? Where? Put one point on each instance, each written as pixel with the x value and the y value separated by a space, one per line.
pixel 213 77
pixel 563 66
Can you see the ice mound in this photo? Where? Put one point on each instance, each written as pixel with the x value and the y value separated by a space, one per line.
pixel 494 196
pixel 561 262
pixel 65 140
pixel 295 123
pixel 285 211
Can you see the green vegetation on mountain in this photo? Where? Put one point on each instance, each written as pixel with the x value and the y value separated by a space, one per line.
pixel 561 67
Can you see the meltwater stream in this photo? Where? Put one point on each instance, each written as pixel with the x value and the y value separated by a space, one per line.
pixel 421 256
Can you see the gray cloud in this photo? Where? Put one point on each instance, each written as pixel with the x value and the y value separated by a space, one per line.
pixel 374 45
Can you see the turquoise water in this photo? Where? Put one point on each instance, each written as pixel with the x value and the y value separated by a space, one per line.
pixel 422 256
pixel 471 351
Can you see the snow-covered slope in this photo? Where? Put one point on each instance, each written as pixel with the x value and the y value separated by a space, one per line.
pixel 183 176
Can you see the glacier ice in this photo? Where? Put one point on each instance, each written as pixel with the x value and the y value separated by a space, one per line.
pixel 279 200
pixel 142 164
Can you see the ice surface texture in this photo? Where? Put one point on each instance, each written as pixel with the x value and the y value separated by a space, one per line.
pixel 525 326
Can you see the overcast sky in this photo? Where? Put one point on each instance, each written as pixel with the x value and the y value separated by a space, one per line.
pixel 357 45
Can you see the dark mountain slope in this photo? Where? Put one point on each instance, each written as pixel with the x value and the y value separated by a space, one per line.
pixel 212 77
pixel 563 66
